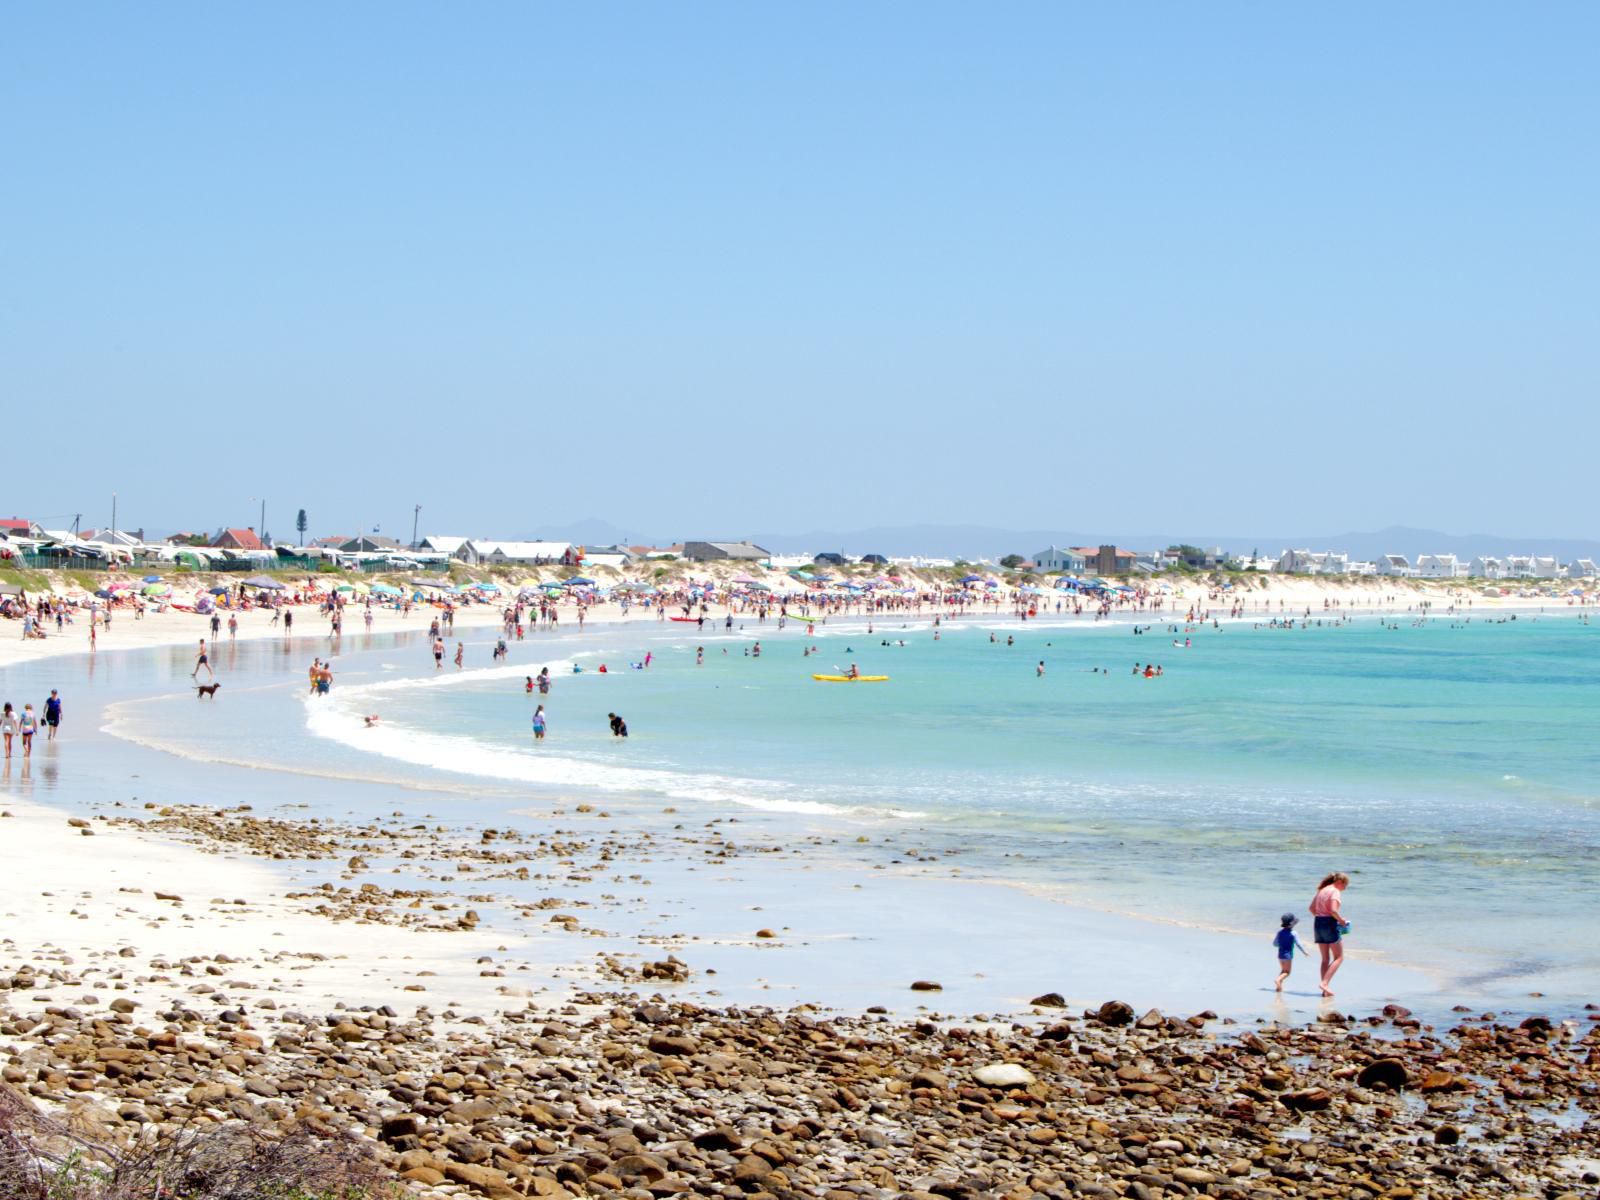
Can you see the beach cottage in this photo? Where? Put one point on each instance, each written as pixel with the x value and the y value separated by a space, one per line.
pixel 1054 559
pixel 237 539
pixel 1487 567
pixel 1439 566
pixel 522 554
pixel 724 552
pixel 1396 565
pixel 1582 568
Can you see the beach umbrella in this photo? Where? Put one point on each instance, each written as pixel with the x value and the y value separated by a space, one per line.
pixel 103 593
pixel 264 581
pixel 157 589
pixel 385 589
pixel 152 579
pixel 487 586
pixel 219 590
pixel 580 581
pixel 970 579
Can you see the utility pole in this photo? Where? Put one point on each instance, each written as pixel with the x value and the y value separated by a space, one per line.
pixel 113 516
pixel 261 530
pixel 415 514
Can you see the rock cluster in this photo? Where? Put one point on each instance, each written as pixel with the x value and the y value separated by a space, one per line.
pixel 622 1095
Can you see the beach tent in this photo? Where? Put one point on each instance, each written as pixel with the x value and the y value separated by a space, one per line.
pixel 187 558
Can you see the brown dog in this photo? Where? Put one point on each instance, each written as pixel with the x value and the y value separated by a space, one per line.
pixel 202 690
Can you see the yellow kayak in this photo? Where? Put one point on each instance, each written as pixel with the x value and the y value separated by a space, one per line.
pixel 850 679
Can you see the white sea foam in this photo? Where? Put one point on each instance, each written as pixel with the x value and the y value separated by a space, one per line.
pixel 343 722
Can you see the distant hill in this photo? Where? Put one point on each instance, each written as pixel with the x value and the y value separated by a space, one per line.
pixel 984 541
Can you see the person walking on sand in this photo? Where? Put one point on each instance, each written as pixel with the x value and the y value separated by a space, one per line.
pixel 1329 925
pixel 28 726
pixel 1286 944
pixel 202 660
pixel 52 714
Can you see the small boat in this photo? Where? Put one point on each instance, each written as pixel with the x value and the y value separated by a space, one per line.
pixel 851 678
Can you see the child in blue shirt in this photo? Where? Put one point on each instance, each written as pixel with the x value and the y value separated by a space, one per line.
pixel 1287 944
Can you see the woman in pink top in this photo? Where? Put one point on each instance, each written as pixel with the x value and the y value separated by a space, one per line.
pixel 1327 919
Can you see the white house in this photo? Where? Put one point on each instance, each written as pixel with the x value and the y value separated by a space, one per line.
pixel 1439 566
pixel 534 554
pixel 1054 558
pixel 1582 568
pixel 1545 567
pixel 1486 566
pixel 435 543
pixel 1300 562
pixel 1396 565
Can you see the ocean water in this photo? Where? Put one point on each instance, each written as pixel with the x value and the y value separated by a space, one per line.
pixel 1450 768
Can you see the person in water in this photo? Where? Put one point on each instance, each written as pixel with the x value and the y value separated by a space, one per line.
pixel 853 673
pixel 538 724
pixel 619 727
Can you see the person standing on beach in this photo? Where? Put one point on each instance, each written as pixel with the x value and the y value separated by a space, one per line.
pixel 1328 925
pixel 52 714
pixel 288 620
pixel 233 625
pixel 8 726
pixel 202 660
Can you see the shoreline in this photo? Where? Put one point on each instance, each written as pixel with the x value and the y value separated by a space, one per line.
pixel 1292 596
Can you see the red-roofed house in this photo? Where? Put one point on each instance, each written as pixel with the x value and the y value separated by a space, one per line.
pixel 237 539
pixel 15 526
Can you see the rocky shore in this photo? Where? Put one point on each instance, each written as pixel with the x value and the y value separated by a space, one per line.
pixel 644 1097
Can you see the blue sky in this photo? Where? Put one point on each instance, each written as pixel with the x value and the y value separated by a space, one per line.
pixel 711 269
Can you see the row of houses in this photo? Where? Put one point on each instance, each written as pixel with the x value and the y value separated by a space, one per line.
pixel 1438 566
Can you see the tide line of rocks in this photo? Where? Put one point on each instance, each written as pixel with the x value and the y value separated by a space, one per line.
pixel 625 1096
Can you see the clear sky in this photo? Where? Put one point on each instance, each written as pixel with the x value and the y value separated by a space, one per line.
pixel 706 269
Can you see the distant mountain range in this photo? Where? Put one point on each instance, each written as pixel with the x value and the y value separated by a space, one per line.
pixel 982 541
